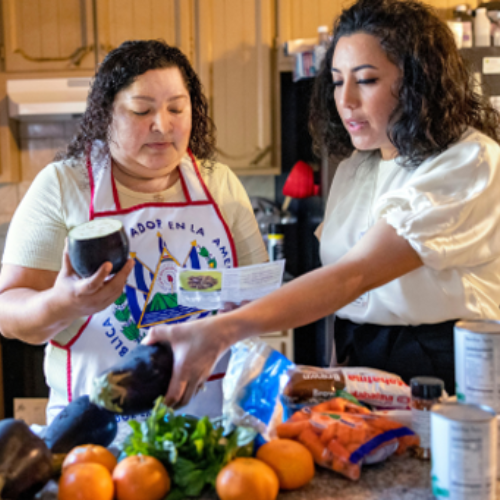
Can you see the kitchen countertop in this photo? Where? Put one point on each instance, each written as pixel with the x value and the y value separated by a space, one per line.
pixel 398 478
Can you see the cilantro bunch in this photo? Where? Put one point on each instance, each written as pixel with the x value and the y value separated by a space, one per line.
pixel 193 450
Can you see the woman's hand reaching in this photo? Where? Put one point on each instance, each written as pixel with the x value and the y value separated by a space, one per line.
pixel 197 346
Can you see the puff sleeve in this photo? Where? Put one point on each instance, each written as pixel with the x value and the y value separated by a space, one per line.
pixel 449 208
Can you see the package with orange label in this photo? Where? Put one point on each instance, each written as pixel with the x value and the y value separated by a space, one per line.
pixel 343 435
pixel 310 385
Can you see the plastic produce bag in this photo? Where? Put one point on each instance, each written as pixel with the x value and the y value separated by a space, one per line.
pixel 252 387
pixel 343 435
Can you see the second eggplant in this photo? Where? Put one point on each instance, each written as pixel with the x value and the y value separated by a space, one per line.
pixel 25 460
pixel 132 385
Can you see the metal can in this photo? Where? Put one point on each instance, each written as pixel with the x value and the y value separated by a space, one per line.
pixel 477 362
pixel 464 451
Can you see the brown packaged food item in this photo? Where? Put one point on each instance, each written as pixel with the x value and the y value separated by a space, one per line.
pixel 309 385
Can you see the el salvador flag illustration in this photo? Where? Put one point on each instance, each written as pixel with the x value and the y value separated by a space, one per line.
pixel 137 288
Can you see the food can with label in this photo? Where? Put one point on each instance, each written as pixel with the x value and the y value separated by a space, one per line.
pixel 477 362
pixel 464 451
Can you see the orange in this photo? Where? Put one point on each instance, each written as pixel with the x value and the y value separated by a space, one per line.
pixel 292 462
pixel 86 481
pixel 90 453
pixel 247 479
pixel 141 477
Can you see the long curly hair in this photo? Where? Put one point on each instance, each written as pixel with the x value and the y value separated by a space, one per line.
pixel 118 70
pixel 437 96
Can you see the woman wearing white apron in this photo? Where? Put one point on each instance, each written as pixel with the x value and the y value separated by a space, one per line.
pixel 134 159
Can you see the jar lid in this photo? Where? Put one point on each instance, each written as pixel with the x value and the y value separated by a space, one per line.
pixel 426 387
pixel 275 228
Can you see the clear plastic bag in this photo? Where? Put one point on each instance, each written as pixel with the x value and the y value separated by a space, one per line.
pixel 252 386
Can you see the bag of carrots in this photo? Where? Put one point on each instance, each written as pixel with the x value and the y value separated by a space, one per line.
pixel 343 435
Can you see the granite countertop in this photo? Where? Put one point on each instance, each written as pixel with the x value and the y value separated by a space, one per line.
pixel 398 478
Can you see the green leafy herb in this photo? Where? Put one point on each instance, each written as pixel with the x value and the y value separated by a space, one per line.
pixel 193 450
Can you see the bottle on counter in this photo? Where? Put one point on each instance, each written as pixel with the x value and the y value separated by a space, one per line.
pixel 462 13
pixel 276 242
pixel 322 46
pixel 425 392
pixel 482 28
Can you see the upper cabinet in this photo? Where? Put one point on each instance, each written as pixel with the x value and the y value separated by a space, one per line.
pixel 48 35
pixel 301 18
pixel 234 57
pixel 121 20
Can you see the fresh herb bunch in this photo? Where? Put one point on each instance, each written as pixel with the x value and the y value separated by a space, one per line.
pixel 193 450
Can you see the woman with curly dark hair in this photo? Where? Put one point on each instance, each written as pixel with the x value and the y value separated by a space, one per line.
pixel 411 236
pixel 144 154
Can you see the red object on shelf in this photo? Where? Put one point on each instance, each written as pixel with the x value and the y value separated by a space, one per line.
pixel 300 181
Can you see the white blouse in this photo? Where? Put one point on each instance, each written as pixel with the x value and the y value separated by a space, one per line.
pixel 448 209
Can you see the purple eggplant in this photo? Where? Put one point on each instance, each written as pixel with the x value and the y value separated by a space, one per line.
pixel 132 385
pixel 25 461
pixel 80 422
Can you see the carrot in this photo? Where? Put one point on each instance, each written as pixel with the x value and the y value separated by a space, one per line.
pixel 406 442
pixel 338 450
pixel 292 429
pixel 320 453
pixel 323 407
pixel 329 433
pixel 338 404
pixel 352 435
pixel 299 416
pixel 360 410
pixel 384 423
pixel 352 447
pixel 347 469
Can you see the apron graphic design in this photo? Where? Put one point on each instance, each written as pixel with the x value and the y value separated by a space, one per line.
pixel 163 237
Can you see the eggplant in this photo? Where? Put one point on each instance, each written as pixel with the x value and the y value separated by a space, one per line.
pixel 95 242
pixel 132 385
pixel 80 422
pixel 25 460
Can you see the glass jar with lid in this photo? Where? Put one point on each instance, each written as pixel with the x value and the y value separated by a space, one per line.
pixel 425 392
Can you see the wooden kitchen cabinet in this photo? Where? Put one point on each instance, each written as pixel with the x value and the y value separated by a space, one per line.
pixel 301 18
pixel 234 57
pixel 121 20
pixel 10 170
pixel 47 35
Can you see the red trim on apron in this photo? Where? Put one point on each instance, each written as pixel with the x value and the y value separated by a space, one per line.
pixel 67 348
pixel 116 199
pixel 216 207
pixel 216 376
pixel 184 188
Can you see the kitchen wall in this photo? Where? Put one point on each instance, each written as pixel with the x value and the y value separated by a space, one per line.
pixel 39 142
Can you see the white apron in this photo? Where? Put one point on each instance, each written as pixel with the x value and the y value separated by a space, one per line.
pixel 162 236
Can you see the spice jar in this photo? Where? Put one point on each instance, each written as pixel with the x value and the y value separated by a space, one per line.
pixel 425 392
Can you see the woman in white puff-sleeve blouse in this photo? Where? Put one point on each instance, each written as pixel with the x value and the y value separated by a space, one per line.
pixel 411 237
pixel 448 210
